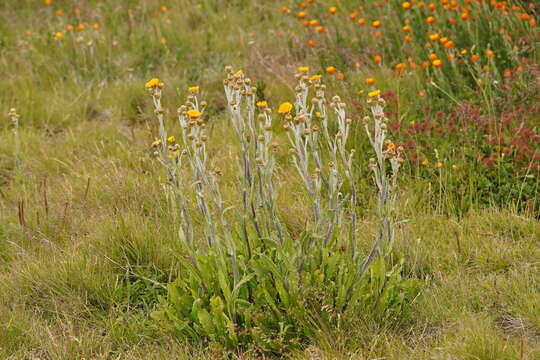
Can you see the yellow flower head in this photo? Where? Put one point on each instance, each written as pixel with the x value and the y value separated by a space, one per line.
pixel 262 104
pixel 374 93
pixel 193 113
pixel 238 73
pixel 315 77
pixel 390 145
pixel 171 139
pixel 303 69
pixel 152 83
pixel 58 36
pixel 193 89
pixel 285 108
pixel 438 164
pixel 425 162
pixel 156 143
pixel 454 166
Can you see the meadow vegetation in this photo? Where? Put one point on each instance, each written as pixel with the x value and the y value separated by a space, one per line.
pixel 246 179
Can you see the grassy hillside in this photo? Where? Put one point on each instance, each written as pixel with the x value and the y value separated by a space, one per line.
pixel 88 238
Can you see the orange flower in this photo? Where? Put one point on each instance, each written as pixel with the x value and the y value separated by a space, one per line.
pixel 331 70
pixel 80 27
pixel 361 21
pixel 284 9
pixel 314 22
pixel 406 5
pixel 489 53
pixel 58 35
pixel 407 38
pixel 377 58
pixel 47 2
pixel 311 43
pixel 464 16
pixel 301 14
pixel 449 44
pixel 431 6
pixel 430 20
pixel 96 26
pixel 406 28
pixel 353 15
pixel 475 58
pixel 434 37
pixel 333 10
pixel 507 73
pixel 401 66
pixel 69 28
pixel 303 5
pixel 432 57
pixel 376 24
pixel 425 64
pixel 452 21
pixel 370 81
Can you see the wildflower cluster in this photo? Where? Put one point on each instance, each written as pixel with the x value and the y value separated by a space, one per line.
pixel 253 281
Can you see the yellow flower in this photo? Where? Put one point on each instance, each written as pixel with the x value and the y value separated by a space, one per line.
pixel 193 113
pixel 156 143
pixel 193 89
pixel 171 139
pixel 390 145
pixel 152 83
pixel 454 166
pixel 303 69
pixel 437 63
pixel 425 162
pixel 47 2
pixel 374 93
pixel 315 77
pixel 262 104
pixel 58 36
pixel 285 108
pixel 438 164
pixel 238 73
